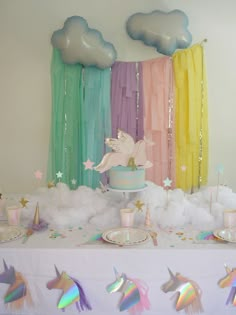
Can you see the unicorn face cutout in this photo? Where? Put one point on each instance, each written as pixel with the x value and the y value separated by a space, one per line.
pixel 72 291
pixel 17 292
pixel 134 297
pixel 130 292
pixel 229 281
pixel 187 293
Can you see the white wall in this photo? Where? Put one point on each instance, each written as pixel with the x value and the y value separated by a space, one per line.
pixel 26 27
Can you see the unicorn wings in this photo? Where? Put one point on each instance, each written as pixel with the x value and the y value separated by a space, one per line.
pixel 124 148
pixel 112 159
pixel 124 144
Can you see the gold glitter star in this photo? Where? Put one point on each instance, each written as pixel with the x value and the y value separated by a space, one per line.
pixel 51 184
pixel 23 202
pixel 139 205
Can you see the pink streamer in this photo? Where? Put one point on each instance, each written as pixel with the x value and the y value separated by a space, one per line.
pixel 158 89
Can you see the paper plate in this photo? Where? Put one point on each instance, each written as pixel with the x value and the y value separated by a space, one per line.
pixel 126 236
pixel 228 235
pixel 10 233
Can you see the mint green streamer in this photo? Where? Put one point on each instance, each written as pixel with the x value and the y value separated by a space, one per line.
pixel 95 120
pixel 66 102
pixel 81 120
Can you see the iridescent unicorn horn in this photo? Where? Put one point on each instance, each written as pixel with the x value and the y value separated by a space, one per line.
pixel 171 273
pixel 228 270
pixel 57 272
pixel 36 215
pixel 5 265
pixel 116 273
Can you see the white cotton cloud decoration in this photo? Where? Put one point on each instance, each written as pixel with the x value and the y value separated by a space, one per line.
pixel 80 44
pixel 164 31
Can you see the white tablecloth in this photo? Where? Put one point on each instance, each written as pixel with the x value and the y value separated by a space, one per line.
pixel 92 264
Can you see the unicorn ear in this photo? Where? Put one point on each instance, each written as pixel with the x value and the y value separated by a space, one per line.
pixel 116 273
pixel 171 273
pixel 228 270
pixel 5 265
pixel 57 272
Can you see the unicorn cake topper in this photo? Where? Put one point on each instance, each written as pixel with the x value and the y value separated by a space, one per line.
pixel 18 292
pixel 125 152
pixel 134 293
pixel 187 293
pixel 229 281
pixel 72 291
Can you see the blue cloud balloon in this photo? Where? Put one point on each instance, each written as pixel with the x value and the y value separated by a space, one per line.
pixel 80 44
pixel 164 31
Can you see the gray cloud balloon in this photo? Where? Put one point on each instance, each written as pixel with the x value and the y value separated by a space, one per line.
pixel 164 31
pixel 80 44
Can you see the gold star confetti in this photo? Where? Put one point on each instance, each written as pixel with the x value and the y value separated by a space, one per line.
pixel 51 184
pixel 139 205
pixel 23 202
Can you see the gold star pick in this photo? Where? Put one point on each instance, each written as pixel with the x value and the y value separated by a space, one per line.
pixel 139 205
pixel 23 202
pixel 51 184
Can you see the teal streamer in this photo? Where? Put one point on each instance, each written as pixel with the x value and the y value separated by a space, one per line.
pixel 66 99
pixel 95 124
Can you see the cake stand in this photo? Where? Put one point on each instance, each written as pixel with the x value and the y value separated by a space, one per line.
pixel 126 192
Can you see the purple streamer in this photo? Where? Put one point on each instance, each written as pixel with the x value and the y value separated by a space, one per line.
pixel 124 90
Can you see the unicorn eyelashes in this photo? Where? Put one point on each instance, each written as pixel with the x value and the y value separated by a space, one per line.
pixel 187 293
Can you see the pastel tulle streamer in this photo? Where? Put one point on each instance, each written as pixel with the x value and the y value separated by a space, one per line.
pixel 159 118
pixel 191 118
pixel 127 98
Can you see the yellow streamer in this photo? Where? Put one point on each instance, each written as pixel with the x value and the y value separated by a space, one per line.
pixel 191 118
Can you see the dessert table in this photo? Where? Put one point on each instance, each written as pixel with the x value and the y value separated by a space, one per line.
pixel 79 251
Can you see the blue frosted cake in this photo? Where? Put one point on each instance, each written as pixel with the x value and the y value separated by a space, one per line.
pixel 125 178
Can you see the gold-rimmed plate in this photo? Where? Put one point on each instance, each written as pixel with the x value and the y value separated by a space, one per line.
pixel 10 233
pixel 228 235
pixel 126 236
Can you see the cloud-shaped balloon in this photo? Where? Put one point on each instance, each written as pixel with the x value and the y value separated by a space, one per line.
pixel 80 44
pixel 164 31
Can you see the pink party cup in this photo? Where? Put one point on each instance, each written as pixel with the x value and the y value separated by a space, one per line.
pixel 230 218
pixel 127 217
pixel 13 215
